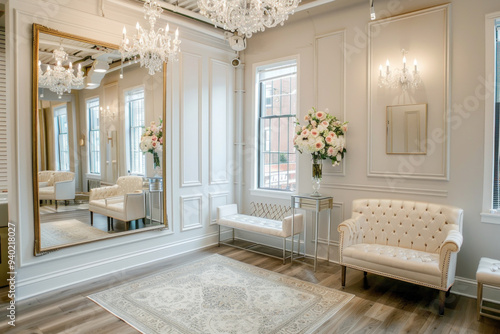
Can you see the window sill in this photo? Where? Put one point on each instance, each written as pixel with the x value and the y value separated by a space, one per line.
pixel 93 176
pixel 490 218
pixel 272 193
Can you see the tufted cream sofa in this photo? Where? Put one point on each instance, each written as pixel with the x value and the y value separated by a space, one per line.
pixel 415 242
pixel 57 186
pixel 124 201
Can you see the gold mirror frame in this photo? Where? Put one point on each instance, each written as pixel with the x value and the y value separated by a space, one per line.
pixel 37 29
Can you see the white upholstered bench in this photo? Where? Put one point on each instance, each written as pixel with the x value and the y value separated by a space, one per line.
pixel 280 226
pixel 488 273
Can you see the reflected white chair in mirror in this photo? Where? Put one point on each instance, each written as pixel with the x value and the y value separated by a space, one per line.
pixel 60 186
pixel 124 201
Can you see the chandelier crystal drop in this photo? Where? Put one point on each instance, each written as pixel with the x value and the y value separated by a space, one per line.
pixel 154 48
pixel 60 79
pixel 247 16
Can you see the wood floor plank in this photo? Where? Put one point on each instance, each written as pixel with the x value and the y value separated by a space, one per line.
pixel 380 305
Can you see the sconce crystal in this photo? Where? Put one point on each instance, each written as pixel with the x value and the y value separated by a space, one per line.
pixel 399 77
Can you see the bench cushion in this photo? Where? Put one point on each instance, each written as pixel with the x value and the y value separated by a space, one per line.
pixel 410 260
pixel 488 272
pixel 262 225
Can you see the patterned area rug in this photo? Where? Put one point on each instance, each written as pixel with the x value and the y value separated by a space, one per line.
pixel 67 232
pixel 220 295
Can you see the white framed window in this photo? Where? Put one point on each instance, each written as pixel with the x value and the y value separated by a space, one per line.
pixel 94 136
pixel 491 182
pixel 276 109
pixel 61 138
pixel 134 109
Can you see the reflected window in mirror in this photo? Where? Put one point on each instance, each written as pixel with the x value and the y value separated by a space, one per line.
pixel 62 143
pixel 94 136
pixel 134 108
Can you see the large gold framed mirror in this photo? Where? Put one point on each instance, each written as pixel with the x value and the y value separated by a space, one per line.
pixel 92 122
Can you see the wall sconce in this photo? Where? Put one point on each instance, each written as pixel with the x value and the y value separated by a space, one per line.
pixel 108 114
pixel 400 76
pixel 372 11
pixel 82 140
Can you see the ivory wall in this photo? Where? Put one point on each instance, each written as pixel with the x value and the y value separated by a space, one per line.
pixel 349 20
pixel 199 142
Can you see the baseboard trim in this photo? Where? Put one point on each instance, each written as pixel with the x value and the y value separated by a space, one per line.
pixel 468 287
pixel 33 286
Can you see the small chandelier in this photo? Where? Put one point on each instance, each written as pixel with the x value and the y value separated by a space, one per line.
pixel 400 77
pixel 153 48
pixel 247 16
pixel 59 79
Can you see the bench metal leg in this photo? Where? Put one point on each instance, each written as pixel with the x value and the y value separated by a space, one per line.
pixel 479 299
pixel 284 250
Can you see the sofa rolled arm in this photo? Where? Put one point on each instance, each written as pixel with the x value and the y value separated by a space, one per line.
pixel 349 232
pixel 226 210
pixel 103 192
pixel 451 244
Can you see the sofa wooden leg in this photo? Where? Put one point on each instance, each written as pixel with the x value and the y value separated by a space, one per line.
pixel 343 276
pixel 442 299
pixel 56 204
pixel 365 273
pixel 479 299
pixel 91 218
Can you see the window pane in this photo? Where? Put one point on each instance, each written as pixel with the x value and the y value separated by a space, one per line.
pixel 94 136
pixel 134 101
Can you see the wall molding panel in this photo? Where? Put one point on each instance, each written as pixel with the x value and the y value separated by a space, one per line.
pixel 219 100
pixel 191 209
pixel 191 118
pixel 430 45
pixel 215 200
pixel 386 189
pixel 330 86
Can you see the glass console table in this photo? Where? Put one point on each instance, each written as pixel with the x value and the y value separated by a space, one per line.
pixel 316 204
pixel 154 188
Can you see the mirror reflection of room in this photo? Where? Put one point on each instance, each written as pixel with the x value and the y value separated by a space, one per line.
pixel 93 173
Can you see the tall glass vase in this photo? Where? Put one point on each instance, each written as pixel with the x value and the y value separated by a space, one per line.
pixel 317 174
pixel 157 165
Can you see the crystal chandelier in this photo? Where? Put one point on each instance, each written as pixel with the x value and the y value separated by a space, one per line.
pixel 153 47
pixel 400 76
pixel 59 79
pixel 247 16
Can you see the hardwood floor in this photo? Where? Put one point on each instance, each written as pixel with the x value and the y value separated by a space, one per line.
pixel 381 305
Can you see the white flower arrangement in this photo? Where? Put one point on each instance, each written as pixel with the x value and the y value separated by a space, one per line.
pixel 152 138
pixel 323 136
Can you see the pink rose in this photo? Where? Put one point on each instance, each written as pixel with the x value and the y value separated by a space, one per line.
pixel 154 138
pixel 305 132
pixel 320 115
pixel 307 118
pixel 344 128
pixel 331 151
pixel 161 140
pixel 329 139
pixel 314 123
pixel 325 123
pixel 319 145
pixel 315 132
